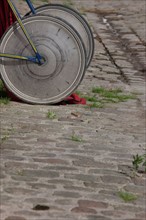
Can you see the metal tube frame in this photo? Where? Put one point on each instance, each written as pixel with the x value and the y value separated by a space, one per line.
pixel 37 58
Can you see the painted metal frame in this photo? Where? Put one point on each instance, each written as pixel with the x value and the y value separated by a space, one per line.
pixel 37 59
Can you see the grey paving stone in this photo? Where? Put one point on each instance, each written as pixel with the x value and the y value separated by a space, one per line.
pixel 15 218
pixel 134 188
pixel 82 177
pixel 78 189
pixel 61 181
pixel 66 194
pixel 83 210
pixel 28 214
pixel 41 165
pixel 36 200
pixel 114 179
pixel 98 217
pixel 19 191
pixel 98 186
pixel 39 173
pixel 41 185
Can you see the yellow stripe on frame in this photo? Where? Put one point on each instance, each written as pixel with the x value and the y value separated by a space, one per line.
pixel 22 26
pixel 13 56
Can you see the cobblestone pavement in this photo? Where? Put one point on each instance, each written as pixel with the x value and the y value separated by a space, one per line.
pixel 47 173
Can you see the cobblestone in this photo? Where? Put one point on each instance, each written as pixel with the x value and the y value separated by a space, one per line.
pixel 84 210
pixel 41 166
pixel 15 218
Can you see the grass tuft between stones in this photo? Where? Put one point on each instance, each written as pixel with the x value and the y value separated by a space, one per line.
pixel 127 197
pixel 4 99
pixel 100 96
pixel 51 115
pixel 68 3
pixel 113 95
pixel 139 161
pixel 76 138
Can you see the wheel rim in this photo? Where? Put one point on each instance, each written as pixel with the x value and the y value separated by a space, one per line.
pixel 76 20
pixel 64 55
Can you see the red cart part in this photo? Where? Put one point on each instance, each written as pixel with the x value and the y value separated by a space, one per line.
pixel 6 16
pixel 73 99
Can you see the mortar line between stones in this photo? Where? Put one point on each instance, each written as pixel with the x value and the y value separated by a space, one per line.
pixel 128 50
pixel 126 79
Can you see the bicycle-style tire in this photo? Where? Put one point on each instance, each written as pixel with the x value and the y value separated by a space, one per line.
pixel 63 52
pixel 74 18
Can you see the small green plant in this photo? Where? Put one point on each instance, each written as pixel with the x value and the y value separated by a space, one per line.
pixel 45 1
pixel 5 133
pixel 76 138
pixel 96 105
pixel 3 95
pixel 101 96
pixel 139 161
pixel 4 137
pixel 112 95
pixel 51 115
pixel 1 85
pixel 68 3
pixel 90 98
pixel 20 172
pixel 82 11
pixel 4 101
pixel 78 92
pixel 127 197
pixel 102 90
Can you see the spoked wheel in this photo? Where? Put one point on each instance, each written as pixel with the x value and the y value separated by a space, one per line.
pixel 64 60
pixel 76 20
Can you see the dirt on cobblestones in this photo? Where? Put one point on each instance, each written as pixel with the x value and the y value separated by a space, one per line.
pixel 78 166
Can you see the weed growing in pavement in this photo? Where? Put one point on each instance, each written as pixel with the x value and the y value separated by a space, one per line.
pixel 20 172
pixel 1 85
pixel 90 98
pixel 3 95
pixel 139 161
pixel 68 3
pixel 96 105
pixel 78 92
pixel 4 101
pixel 76 138
pixel 112 95
pixel 127 197
pixel 51 115
pixel 5 133
pixel 94 102
pixel 45 1
pixel 4 137
pixel 100 96
pixel 82 11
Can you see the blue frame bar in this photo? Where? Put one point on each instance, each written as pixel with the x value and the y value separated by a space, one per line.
pixel 31 6
pixel 19 57
pixel 17 15
pixel 38 58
